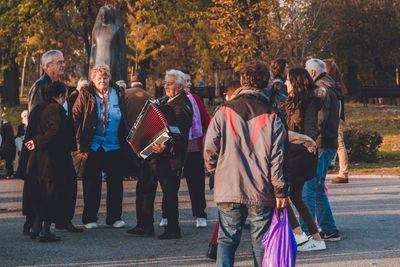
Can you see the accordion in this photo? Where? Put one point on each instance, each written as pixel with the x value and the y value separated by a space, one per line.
pixel 151 126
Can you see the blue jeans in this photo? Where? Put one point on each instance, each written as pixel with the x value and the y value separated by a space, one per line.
pixel 314 193
pixel 232 217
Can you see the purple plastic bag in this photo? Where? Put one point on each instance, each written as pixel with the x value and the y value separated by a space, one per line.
pixel 280 245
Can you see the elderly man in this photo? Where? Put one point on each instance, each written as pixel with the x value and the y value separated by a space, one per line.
pixel 327 141
pixel 244 150
pixel 166 165
pixel 53 65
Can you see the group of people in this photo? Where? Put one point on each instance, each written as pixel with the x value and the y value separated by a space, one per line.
pixel 82 134
pixel 270 143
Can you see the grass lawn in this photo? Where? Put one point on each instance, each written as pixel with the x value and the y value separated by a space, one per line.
pixel 382 118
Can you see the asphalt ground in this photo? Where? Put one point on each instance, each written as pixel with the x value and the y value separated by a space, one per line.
pixel 367 213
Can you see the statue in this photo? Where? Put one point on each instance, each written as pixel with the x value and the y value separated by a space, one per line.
pixel 108 43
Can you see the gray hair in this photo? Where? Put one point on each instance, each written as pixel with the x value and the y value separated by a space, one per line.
pixel 180 76
pixel 121 83
pixel 48 57
pixel 317 65
pixel 82 82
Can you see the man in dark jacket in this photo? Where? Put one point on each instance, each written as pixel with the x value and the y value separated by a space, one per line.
pixel 166 165
pixel 53 65
pixel 327 141
pixel 244 150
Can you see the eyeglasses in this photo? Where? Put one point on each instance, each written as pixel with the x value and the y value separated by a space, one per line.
pixel 59 63
pixel 169 83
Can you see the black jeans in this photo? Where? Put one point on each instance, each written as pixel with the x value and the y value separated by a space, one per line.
pixel 195 179
pixel 97 162
pixel 157 170
pixel 8 155
pixel 296 196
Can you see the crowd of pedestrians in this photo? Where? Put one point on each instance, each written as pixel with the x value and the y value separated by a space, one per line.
pixel 269 144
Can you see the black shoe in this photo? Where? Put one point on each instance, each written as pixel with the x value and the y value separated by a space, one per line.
pixel 330 237
pixel 33 234
pixel 170 235
pixel 71 228
pixel 212 251
pixel 340 180
pixel 139 231
pixel 28 225
pixel 26 230
pixel 48 237
pixel 246 225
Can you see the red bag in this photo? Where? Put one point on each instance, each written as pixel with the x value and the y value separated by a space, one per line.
pixel 279 242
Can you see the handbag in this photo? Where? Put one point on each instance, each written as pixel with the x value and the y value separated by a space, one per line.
pixel 79 161
pixel 279 243
pixel 301 164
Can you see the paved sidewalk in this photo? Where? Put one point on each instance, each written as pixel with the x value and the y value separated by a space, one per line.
pixel 367 213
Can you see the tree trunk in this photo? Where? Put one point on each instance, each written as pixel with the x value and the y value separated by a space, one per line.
pixel 11 85
pixel 21 93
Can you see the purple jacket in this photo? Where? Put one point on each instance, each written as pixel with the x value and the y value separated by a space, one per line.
pixel 244 148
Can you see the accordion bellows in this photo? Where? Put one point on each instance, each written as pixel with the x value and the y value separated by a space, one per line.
pixel 151 126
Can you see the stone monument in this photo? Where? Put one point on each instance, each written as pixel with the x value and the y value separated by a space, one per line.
pixel 108 43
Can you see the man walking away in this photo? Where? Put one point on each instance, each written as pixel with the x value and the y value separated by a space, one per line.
pixel 244 150
pixel 327 141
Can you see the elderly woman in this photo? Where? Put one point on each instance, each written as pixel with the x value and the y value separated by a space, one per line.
pixel 49 164
pixel 99 118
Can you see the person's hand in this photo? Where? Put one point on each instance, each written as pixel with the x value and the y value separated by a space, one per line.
pixel 312 148
pixel 30 145
pixel 282 202
pixel 210 180
pixel 158 148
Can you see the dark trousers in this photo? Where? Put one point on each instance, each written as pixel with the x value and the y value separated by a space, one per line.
pixel 27 205
pixel 97 162
pixel 66 199
pixel 195 179
pixel 8 155
pixel 296 196
pixel 157 170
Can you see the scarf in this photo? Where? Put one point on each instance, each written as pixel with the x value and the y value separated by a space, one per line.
pixel 196 130
pixel 104 107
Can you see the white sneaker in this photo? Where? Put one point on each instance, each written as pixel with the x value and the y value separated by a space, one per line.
pixel 92 225
pixel 119 224
pixel 201 223
pixel 312 245
pixel 164 222
pixel 301 239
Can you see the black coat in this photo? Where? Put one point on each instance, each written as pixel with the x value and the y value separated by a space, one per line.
pixel 49 167
pixel 301 164
pixel 7 136
pixel 37 93
pixel 181 112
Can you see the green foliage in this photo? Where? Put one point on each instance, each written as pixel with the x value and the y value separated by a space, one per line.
pixel 362 144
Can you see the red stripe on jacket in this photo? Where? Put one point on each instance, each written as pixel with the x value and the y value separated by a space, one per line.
pixel 231 117
pixel 260 123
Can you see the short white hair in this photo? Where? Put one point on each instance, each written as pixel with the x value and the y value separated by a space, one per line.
pixel 121 83
pixel 317 65
pixel 48 57
pixel 82 82
pixel 179 76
